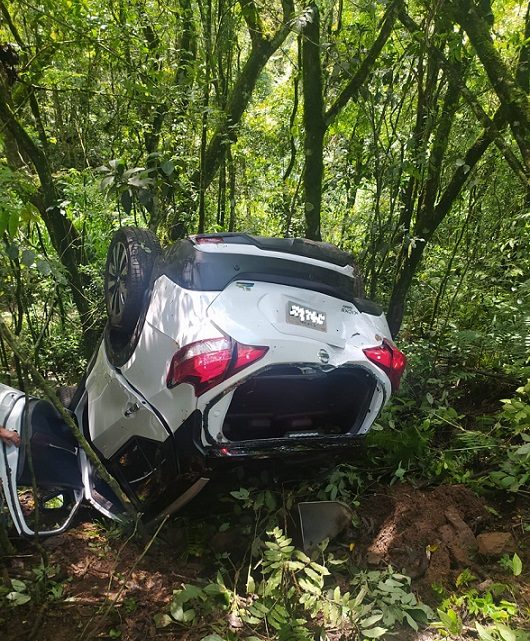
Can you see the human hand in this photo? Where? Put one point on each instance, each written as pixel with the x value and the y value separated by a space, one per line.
pixel 9 437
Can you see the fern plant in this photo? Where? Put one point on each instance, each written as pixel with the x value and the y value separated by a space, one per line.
pixel 291 601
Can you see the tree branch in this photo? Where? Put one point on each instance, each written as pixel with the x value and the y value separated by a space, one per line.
pixel 472 101
pixel 253 19
pixel 511 96
pixel 352 88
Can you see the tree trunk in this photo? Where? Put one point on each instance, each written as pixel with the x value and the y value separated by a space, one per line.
pixel 314 125
pixel 351 90
pixel 411 262
pixel 63 235
pixel 262 49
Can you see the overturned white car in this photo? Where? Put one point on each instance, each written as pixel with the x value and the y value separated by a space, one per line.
pixel 224 346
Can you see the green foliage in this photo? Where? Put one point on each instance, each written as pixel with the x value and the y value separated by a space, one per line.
pixel 140 91
pixel 344 483
pixel 488 609
pixel 255 499
pixel 19 593
pixel 513 427
pixel 514 564
pixel 516 411
pixel 292 597
pixel 421 434
pixel 500 632
pixel 450 624
pixel 44 585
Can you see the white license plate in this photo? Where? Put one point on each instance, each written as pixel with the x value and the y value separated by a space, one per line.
pixel 305 316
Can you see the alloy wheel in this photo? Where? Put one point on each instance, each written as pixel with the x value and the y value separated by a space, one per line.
pixel 118 271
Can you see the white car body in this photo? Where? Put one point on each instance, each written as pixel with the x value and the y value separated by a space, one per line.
pixel 299 364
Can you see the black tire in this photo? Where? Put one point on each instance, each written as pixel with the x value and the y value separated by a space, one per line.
pixel 66 395
pixel 130 259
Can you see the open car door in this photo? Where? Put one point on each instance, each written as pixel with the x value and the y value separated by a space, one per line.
pixel 42 479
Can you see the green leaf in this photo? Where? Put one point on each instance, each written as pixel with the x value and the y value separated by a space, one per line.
pixel 167 167
pixel 374 633
pixel 12 226
pixel 301 556
pixel 27 257
pixel 270 501
pixel 242 493
pixel 251 584
pixel 28 213
pixel 371 620
pixel 162 620
pixel 315 576
pixel 307 586
pixel 4 221
pixel 523 449
pixel 146 199
pixel 43 266
pixel 411 621
pixel 320 568
pixel 451 621
pixel 18 586
pixel 247 618
pixel 517 565
pixel 189 616
pixel 506 633
pixel 18 598
pixel 190 592
pixel 484 633
pixel 106 182
pixel 213 589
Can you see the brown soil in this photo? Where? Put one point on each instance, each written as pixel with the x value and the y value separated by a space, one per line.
pixel 430 534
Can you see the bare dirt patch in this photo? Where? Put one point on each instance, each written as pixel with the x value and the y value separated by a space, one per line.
pixel 430 534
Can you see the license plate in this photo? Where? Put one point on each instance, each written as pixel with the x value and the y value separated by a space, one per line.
pixel 305 316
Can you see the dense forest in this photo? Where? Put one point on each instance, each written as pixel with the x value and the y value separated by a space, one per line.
pixel 398 131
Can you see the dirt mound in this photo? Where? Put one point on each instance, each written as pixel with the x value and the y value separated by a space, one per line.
pixel 429 534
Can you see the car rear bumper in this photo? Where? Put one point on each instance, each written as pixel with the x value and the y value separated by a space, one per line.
pixel 279 448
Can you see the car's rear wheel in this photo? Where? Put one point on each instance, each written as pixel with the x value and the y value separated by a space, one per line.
pixel 66 395
pixel 130 259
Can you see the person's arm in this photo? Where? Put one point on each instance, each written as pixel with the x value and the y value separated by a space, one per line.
pixel 9 437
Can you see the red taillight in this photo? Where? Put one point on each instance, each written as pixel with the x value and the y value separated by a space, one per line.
pixel 390 360
pixel 246 355
pixel 206 363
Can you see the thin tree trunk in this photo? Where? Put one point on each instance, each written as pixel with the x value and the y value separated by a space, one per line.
pixel 63 235
pixel 204 118
pixel 262 49
pixel 314 124
pixel 396 308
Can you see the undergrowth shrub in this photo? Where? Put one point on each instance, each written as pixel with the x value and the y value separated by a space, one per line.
pixel 286 595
